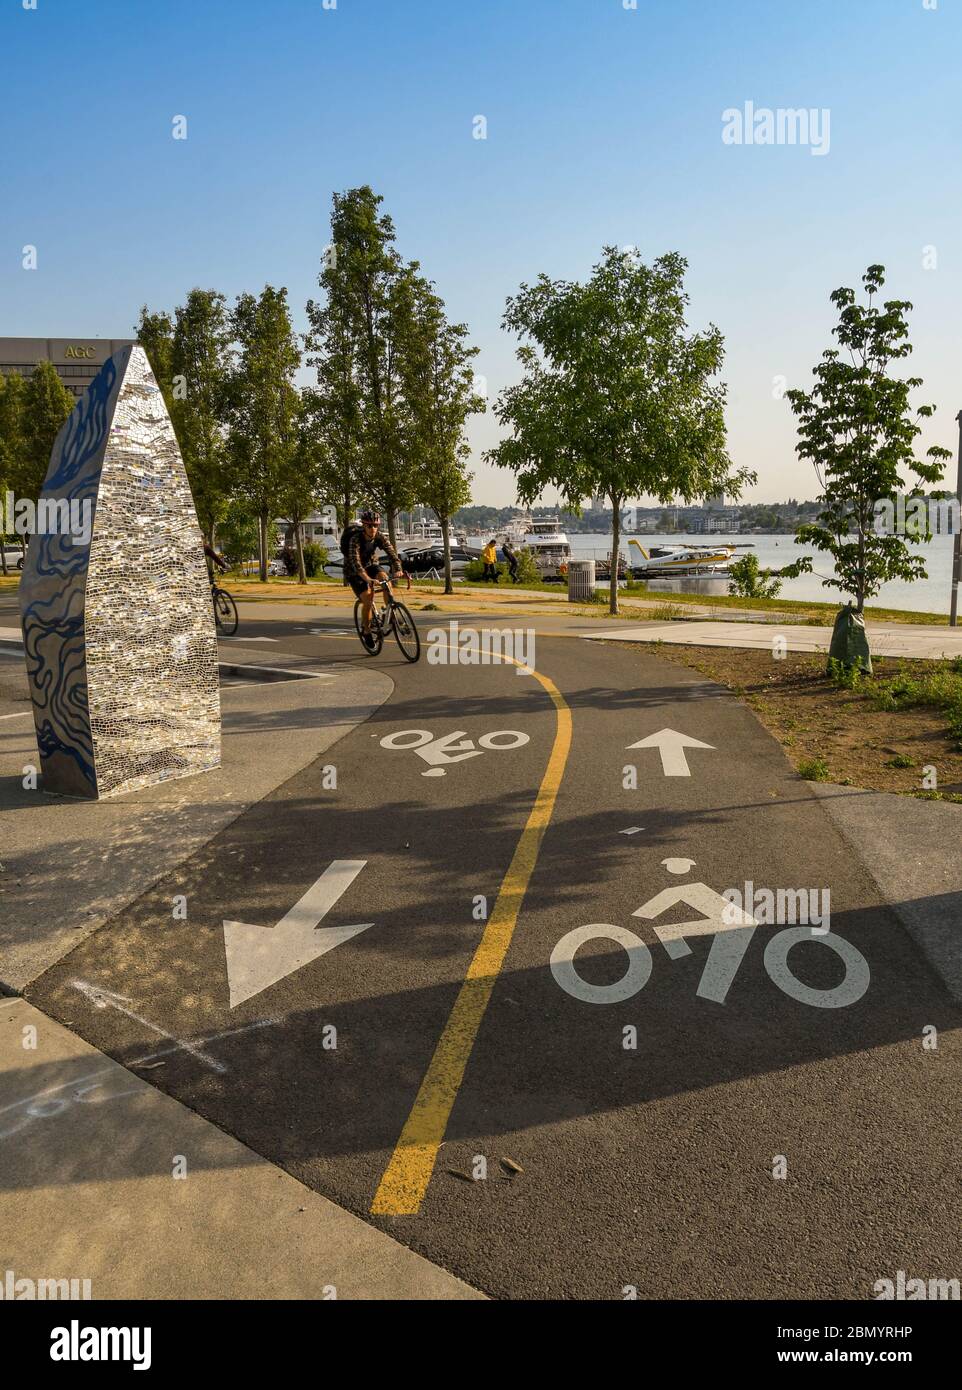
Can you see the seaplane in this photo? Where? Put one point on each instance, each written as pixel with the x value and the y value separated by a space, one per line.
pixel 662 561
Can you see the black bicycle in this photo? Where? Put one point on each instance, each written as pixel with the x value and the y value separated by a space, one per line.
pixel 393 617
pixel 225 611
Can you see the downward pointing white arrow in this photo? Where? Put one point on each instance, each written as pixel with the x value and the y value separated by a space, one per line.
pixel 671 745
pixel 260 956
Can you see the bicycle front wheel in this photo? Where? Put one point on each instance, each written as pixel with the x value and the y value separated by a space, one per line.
pixel 225 613
pixel 405 632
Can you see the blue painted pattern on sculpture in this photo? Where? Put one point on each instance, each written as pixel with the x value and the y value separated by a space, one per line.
pixel 52 589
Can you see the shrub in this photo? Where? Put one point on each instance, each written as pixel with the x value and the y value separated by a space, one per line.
pixel 814 770
pixel 842 676
pixel 528 571
pixel 747 581
pixel 315 558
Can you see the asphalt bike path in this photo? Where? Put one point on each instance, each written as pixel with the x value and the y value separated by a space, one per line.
pixel 435 1003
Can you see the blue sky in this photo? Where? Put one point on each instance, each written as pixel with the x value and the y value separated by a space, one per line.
pixel 604 126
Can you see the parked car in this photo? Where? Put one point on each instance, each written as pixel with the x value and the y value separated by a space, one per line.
pixel 421 562
pixel 13 556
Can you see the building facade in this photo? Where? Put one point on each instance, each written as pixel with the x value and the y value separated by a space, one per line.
pixel 77 360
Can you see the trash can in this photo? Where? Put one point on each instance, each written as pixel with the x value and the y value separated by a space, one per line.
pixel 581 580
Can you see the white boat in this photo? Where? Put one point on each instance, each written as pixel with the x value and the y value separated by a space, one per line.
pixel 661 561
pixel 543 536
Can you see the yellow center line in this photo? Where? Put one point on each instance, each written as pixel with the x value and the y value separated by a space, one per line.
pixel 405 1181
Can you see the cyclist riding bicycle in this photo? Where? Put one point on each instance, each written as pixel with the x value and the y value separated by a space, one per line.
pixel 361 571
pixel 211 554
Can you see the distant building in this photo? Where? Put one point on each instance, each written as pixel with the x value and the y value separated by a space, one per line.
pixel 715 503
pixel 77 360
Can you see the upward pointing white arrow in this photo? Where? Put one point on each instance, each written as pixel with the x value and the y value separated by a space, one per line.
pixel 260 956
pixel 671 745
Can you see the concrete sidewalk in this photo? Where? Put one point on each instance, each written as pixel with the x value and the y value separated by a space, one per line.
pixel 885 639
pixel 89 1154
pixel 907 846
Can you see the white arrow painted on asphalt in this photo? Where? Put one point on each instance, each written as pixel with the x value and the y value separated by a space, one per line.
pixel 671 745
pixel 260 956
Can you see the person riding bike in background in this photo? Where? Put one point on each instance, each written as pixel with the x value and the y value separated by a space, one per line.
pixel 211 554
pixel 358 545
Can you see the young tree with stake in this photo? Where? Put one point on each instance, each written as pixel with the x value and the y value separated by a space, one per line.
pixel 857 427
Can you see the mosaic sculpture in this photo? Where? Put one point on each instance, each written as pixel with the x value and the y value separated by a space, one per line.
pixel 118 632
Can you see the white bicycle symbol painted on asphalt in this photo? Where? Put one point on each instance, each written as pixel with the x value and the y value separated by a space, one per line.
pixel 439 751
pixel 732 933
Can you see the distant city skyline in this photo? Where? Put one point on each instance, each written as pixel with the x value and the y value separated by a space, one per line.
pixel 603 125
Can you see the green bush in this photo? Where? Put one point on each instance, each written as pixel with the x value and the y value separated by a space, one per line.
pixel 746 580
pixel 315 558
pixel 475 571
pixel 528 572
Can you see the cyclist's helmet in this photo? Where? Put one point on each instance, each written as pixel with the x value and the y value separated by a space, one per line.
pixel 371 517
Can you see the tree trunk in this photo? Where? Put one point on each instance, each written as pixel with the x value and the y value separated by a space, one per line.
pixel 299 550
pixel 615 543
pixel 262 547
pixel 392 526
pixel 347 511
pixel 445 532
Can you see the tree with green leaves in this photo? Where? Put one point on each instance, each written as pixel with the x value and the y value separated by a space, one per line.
pixel 12 390
pixel 304 478
pixel 439 390
pixel 201 363
pixel 155 334
pixel 857 427
pixel 618 398
pixel 263 405
pixel 361 337
pixel 332 345
pixel 46 405
pixel 191 358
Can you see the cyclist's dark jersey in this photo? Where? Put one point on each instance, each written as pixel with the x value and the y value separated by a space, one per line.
pixel 360 552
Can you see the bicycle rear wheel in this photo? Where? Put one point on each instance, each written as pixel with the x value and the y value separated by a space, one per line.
pixel 405 632
pixel 371 641
pixel 225 612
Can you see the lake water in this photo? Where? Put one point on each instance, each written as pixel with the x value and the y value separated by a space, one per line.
pixel 930 595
